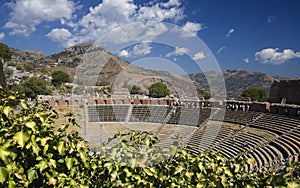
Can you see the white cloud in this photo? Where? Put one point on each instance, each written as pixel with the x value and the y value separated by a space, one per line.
pixel 110 11
pixel 171 3
pixel 123 53
pixel 273 56
pixel 27 14
pixel 2 35
pixel 63 36
pixel 199 56
pixel 177 52
pixel 170 10
pixel 221 49
pixel 230 32
pixel 129 20
pixel 141 49
pixel 190 29
pixel 246 60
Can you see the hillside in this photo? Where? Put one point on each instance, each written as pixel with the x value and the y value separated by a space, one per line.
pixel 96 66
pixel 237 81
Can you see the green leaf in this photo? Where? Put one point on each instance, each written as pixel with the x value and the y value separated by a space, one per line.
pixel 12 97
pixel 69 163
pixel 46 147
pixel 53 163
pixel 32 175
pixel 61 147
pixel 21 138
pixel 24 104
pixel 7 110
pixel 42 165
pixel 11 184
pixel 3 174
pixel 148 143
pixel 35 149
pixel 173 150
pixel 148 172
pixel 293 184
pixel 84 186
pixel 30 124
pixel 4 153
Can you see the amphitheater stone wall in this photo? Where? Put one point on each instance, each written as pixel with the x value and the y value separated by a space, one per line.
pixel 285 92
pixel 277 108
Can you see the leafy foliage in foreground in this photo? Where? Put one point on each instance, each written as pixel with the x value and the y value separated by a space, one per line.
pixel 33 154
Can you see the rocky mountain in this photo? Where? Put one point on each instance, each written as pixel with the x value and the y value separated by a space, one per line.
pixel 91 64
pixel 69 57
pixel 237 81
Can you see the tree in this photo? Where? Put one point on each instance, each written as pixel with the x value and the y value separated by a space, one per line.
pixel 158 90
pixel 34 86
pixel 135 90
pixel 60 77
pixel 255 94
pixel 5 52
pixel 5 55
pixel 2 76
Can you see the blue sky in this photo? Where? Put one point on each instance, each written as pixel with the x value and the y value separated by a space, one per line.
pixel 255 35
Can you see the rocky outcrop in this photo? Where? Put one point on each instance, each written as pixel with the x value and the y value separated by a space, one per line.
pixel 237 81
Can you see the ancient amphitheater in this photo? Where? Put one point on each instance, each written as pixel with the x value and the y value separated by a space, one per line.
pixel 271 139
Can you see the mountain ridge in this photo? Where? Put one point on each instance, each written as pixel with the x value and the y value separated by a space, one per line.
pixel 68 60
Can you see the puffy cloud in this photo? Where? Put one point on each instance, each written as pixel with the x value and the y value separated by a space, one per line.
pixel 132 22
pixel 170 3
pixel 230 32
pixel 190 29
pixel 27 14
pixel 273 56
pixel 177 52
pixel 63 36
pixel 221 49
pixel 110 11
pixel 158 13
pixel 142 49
pixel 199 56
pixel 123 53
pixel 2 35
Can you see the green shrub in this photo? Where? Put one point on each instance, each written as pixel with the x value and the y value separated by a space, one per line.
pixel 158 90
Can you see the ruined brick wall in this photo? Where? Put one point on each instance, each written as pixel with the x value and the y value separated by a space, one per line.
pixel 288 89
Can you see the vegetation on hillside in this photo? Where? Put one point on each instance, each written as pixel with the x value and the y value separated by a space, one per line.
pixel 255 94
pixel 5 52
pixel 32 87
pixel 158 89
pixel 2 76
pixel 60 77
pixel 135 90
pixel 5 55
